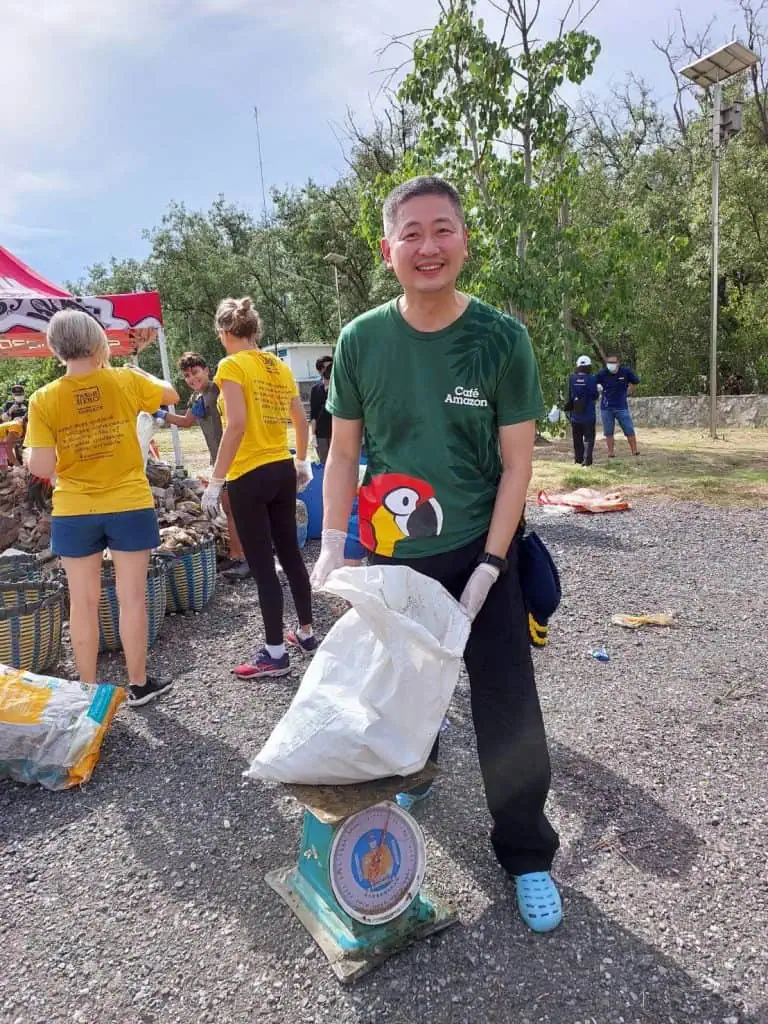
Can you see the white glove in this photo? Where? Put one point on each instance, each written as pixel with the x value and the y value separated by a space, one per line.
pixel 478 587
pixel 303 474
pixel 212 497
pixel 331 557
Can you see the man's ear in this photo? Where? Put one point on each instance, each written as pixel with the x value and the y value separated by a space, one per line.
pixel 386 252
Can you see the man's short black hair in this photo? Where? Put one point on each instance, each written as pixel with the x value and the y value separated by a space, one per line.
pixel 321 362
pixel 424 185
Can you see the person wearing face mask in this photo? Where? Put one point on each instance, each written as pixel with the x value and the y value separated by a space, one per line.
pixel 617 382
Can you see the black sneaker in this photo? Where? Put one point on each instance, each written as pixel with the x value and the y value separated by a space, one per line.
pixel 138 695
pixel 239 571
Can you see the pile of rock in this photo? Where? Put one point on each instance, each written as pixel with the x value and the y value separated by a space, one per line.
pixel 25 506
pixel 182 520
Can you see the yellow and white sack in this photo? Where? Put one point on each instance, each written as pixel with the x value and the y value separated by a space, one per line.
pixel 51 730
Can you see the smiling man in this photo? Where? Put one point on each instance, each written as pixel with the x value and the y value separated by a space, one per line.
pixel 446 391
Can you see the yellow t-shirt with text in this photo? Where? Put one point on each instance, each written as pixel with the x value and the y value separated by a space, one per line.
pixel 269 388
pixel 91 422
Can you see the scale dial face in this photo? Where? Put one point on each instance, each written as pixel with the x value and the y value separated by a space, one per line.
pixel 377 865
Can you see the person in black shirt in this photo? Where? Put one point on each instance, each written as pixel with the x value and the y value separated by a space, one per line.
pixel 319 420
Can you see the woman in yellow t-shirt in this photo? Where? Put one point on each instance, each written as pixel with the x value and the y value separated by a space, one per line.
pixel 258 395
pixel 82 427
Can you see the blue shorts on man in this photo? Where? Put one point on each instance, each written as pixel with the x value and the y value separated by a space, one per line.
pixel 616 380
pixel 611 417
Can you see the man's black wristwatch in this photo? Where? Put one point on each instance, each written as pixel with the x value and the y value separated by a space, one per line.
pixel 498 563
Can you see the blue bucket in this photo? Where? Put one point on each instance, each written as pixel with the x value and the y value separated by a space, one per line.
pixel 353 549
pixel 312 497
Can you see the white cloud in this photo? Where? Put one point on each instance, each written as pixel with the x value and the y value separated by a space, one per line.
pixel 59 58
pixel 55 50
pixel 347 36
pixel 50 49
pixel 20 183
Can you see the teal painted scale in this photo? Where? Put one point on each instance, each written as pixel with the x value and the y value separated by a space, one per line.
pixel 357 886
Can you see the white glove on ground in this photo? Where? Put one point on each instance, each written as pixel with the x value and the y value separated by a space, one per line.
pixel 331 557
pixel 478 587
pixel 212 497
pixel 303 474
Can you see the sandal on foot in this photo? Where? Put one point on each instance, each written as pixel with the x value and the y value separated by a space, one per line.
pixel 539 901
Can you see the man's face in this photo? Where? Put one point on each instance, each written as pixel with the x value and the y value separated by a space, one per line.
pixel 427 245
pixel 197 378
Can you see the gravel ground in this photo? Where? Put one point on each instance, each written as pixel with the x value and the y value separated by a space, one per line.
pixel 140 898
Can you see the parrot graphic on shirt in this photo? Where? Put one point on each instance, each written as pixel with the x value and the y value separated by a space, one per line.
pixel 393 507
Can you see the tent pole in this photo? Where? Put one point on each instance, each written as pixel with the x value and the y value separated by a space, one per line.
pixel 177 457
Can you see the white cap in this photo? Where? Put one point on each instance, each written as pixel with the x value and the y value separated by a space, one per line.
pixel 583 361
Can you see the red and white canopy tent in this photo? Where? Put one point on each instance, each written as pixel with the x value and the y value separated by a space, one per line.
pixel 28 301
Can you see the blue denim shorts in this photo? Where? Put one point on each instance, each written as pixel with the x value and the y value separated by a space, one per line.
pixel 80 536
pixel 609 418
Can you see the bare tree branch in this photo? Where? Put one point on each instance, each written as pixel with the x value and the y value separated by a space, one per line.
pixel 681 89
pixel 583 19
pixel 757 41
pixel 699 44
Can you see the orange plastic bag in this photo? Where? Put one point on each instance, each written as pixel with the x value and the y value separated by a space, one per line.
pixel 585 499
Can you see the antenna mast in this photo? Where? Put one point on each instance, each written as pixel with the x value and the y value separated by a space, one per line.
pixel 269 233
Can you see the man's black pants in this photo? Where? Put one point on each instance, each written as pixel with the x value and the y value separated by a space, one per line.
pixel 511 744
pixel 583 442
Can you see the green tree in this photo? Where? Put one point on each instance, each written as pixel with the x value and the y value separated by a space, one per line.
pixel 492 123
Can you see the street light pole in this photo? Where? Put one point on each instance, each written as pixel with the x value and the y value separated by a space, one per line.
pixel 711 71
pixel 336 260
pixel 338 295
pixel 717 93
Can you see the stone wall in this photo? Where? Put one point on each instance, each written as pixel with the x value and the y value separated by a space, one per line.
pixel 693 411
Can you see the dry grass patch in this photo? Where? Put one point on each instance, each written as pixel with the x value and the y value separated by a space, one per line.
pixel 673 464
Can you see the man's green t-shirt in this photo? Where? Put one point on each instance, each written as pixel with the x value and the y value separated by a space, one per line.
pixel 432 404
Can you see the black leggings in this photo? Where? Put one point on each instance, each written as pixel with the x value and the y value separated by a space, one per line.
pixel 511 743
pixel 264 507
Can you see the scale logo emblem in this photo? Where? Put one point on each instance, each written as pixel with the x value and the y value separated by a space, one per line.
pixel 377 863
pixel 376 860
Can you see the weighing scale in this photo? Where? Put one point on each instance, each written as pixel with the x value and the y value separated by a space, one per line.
pixel 357 887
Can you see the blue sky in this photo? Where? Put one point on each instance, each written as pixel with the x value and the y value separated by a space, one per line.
pixel 112 108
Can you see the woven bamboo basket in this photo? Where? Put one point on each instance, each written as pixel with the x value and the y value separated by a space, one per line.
pixel 20 568
pixel 109 613
pixel 31 615
pixel 191 577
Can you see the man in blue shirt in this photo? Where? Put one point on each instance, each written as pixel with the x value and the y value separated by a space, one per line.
pixel 582 395
pixel 617 382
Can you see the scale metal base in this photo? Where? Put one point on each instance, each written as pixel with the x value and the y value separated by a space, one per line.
pixel 351 947
pixel 354 952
